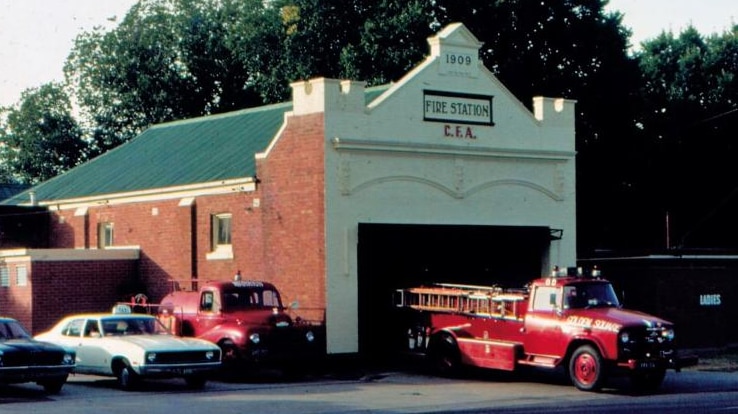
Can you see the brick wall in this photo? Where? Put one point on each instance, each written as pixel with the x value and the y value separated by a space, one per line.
pixel 293 211
pixel 15 300
pixel 65 287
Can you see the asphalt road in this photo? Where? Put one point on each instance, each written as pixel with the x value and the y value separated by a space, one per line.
pixel 379 392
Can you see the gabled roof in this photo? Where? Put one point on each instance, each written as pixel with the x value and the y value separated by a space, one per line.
pixel 198 150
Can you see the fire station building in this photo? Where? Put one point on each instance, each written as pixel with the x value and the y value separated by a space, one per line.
pixel 339 197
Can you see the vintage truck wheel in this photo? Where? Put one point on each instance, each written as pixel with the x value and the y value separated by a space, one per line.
pixel 645 382
pixel 585 369
pixel 444 355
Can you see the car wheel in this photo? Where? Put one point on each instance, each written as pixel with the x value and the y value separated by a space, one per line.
pixel 195 382
pixel 585 369
pixel 53 386
pixel 127 378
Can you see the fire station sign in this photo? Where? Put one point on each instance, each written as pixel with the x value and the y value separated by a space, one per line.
pixel 458 108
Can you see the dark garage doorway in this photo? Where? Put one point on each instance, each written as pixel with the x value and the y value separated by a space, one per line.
pixel 393 256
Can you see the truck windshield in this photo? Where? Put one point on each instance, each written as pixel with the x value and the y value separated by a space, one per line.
pixel 250 298
pixel 589 295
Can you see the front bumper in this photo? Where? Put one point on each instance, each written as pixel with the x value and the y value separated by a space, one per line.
pixel 675 362
pixel 175 370
pixel 15 375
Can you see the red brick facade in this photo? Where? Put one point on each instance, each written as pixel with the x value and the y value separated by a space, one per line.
pixel 278 230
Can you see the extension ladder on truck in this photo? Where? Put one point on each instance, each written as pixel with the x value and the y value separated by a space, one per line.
pixel 491 301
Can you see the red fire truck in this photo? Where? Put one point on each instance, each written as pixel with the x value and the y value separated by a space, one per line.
pixel 568 319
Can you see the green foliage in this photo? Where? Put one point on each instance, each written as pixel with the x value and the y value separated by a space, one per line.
pixel 686 119
pixel 41 138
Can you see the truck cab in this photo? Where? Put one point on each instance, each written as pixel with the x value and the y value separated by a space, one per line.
pixel 247 319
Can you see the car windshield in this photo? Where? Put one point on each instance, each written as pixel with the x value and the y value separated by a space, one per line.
pixel 250 298
pixel 132 326
pixel 12 330
pixel 589 295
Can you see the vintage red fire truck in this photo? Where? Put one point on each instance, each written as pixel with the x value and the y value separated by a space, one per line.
pixel 247 319
pixel 567 319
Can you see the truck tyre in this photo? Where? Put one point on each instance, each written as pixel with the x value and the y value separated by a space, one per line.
pixel 649 381
pixel 444 355
pixel 585 369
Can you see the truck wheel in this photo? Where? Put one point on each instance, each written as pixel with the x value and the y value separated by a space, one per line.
pixel 229 352
pixel 648 381
pixel 585 369
pixel 444 355
pixel 127 378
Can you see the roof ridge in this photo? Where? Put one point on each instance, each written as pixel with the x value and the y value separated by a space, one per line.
pixel 215 117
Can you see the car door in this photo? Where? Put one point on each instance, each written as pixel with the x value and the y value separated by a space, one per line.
pixel 73 337
pixel 92 347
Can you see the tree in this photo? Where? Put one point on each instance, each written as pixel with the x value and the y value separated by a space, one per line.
pixel 168 59
pixel 687 124
pixel 40 139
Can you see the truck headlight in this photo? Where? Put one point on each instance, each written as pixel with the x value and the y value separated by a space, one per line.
pixel 668 334
pixel 624 337
pixel 151 357
pixel 310 336
pixel 255 338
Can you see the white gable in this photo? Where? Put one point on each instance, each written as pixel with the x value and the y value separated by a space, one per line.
pixel 447 144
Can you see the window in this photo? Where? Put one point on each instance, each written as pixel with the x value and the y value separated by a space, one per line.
pixel 546 298
pixel 21 276
pixel 4 276
pixel 221 237
pixel 221 230
pixel 104 235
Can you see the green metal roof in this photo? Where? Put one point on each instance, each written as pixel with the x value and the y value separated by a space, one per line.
pixel 198 150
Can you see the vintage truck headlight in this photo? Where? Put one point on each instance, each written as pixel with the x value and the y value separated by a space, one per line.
pixel 255 338
pixel 668 334
pixel 310 336
pixel 624 337
pixel 68 359
pixel 151 357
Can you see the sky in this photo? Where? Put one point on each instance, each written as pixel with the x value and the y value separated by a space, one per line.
pixel 37 35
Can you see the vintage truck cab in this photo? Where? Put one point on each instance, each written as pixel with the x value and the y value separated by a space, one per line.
pixel 568 320
pixel 247 319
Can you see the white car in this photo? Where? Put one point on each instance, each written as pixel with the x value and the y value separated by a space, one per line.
pixel 131 347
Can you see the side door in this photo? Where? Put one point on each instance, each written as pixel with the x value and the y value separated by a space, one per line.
pixel 91 344
pixel 209 313
pixel 543 323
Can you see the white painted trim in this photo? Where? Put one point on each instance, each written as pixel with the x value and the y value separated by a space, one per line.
pixel 61 255
pixel 265 154
pixel 348 144
pixel 246 184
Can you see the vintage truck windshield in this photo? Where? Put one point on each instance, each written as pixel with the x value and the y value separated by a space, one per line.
pixel 250 298
pixel 589 295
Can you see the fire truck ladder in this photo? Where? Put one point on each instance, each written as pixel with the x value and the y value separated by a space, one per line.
pixel 490 301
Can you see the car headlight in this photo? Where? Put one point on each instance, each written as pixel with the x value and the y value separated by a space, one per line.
pixel 209 355
pixel 68 359
pixel 310 336
pixel 624 337
pixel 151 357
pixel 255 338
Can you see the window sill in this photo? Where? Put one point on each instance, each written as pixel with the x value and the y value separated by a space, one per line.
pixel 221 253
